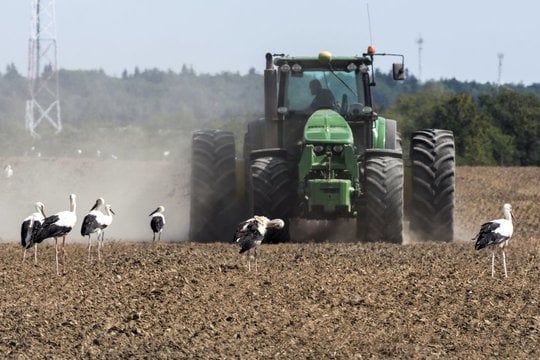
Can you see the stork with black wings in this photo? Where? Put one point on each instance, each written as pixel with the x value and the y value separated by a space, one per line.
pixel 251 233
pixel 496 234
pixel 29 229
pixel 157 223
pixel 58 226
pixel 96 222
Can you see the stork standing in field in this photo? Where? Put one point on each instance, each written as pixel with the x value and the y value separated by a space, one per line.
pixel 496 234
pixel 96 222
pixel 30 227
pixel 59 225
pixel 251 233
pixel 158 222
pixel 88 227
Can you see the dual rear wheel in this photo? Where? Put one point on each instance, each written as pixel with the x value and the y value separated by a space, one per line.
pixel 431 211
pixel 214 209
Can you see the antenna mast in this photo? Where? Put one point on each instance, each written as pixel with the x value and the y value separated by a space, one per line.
pixel 44 101
pixel 369 24
pixel 500 56
pixel 420 42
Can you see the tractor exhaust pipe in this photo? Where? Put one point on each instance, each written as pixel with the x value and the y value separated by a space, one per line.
pixel 270 107
pixel 269 62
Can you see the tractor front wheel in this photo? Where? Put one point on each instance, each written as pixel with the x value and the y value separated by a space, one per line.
pixel 380 217
pixel 273 188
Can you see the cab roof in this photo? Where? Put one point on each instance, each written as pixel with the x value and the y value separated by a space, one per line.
pixel 312 62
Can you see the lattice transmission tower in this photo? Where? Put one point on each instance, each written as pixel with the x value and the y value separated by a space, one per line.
pixel 44 99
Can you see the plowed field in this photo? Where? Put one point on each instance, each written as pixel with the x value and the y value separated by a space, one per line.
pixel 308 300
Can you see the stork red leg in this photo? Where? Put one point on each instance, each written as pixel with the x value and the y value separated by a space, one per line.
pixel 56 251
pixel 35 254
pixel 504 263
pixel 492 263
pixel 64 254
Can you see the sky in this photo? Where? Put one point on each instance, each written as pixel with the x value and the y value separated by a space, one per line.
pixel 462 39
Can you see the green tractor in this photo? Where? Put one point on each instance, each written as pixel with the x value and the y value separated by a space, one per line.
pixel 322 153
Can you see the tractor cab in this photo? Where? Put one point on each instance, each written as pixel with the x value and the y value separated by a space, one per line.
pixel 305 85
pixel 344 80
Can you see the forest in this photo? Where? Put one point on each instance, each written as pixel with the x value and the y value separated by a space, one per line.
pixel 151 113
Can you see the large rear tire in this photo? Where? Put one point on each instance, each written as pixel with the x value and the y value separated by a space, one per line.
pixel 433 185
pixel 273 188
pixel 381 216
pixel 214 207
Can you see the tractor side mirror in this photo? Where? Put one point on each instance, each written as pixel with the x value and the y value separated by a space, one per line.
pixel 398 71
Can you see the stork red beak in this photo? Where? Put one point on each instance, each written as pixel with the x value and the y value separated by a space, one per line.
pixel 513 216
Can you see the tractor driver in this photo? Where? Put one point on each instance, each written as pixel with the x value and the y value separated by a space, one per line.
pixel 324 99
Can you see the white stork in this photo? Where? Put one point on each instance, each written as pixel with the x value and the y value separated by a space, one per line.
pixel 30 227
pixel 496 233
pixel 96 222
pixel 86 228
pixel 157 222
pixel 251 233
pixel 59 225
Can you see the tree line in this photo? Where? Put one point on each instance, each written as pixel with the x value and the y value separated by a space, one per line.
pixel 492 125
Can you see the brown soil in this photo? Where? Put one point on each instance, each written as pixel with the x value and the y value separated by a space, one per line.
pixel 308 300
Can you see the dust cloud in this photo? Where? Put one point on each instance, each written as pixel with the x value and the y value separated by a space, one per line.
pixel 132 188
pixel 308 231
